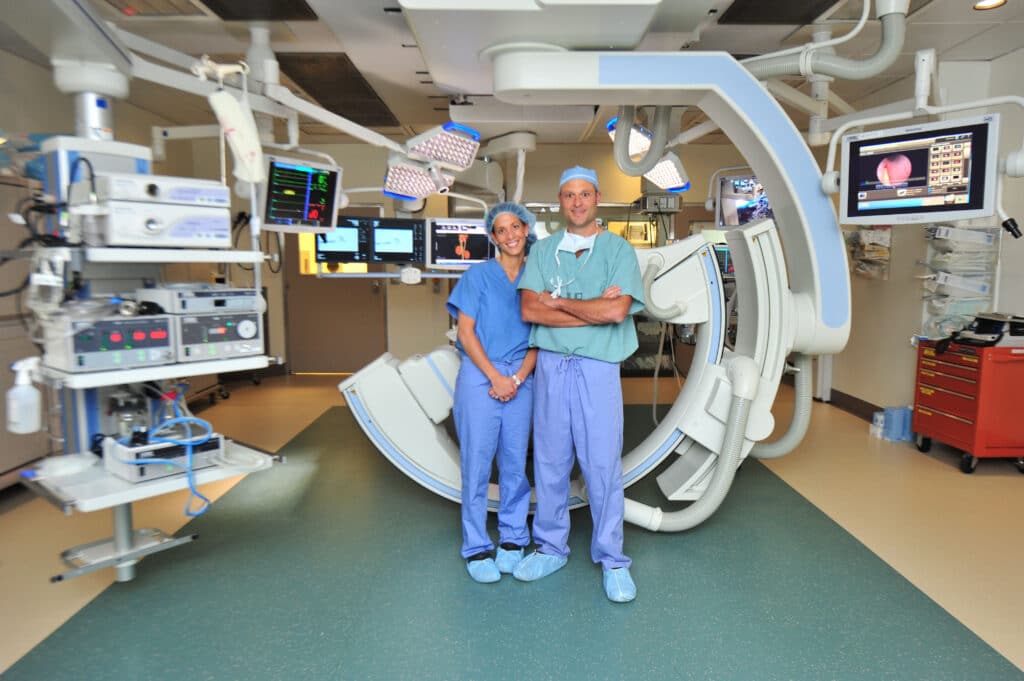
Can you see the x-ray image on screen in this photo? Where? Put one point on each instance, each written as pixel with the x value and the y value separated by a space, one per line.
pixel 346 244
pixel 398 241
pixel 392 240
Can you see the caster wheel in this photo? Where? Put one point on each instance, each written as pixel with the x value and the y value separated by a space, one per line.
pixel 256 380
pixel 1020 464
pixel 924 444
pixel 968 462
pixel 224 394
pixel 213 399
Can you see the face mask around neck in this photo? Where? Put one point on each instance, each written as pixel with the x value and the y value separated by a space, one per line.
pixel 574 242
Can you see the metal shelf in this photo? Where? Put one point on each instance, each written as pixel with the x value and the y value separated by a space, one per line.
pixel 159 255
pixel 104 378
pixel 94 489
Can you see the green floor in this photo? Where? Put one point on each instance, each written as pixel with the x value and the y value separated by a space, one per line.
pixel 336 566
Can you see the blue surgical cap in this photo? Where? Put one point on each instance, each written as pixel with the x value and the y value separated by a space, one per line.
pixel 579 173
pixel 525 216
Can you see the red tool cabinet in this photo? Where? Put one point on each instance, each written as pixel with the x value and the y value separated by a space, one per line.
pixel 969 397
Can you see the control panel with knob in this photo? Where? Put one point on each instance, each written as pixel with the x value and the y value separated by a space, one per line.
pixel 207 337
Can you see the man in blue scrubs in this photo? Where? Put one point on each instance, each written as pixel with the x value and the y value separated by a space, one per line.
pixel 580 289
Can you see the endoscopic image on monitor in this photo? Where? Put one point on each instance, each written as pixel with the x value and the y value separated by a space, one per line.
pixel 920 173
pixel 895 173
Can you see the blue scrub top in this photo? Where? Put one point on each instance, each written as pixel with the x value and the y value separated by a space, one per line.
pixel 611 261
pixel 485 294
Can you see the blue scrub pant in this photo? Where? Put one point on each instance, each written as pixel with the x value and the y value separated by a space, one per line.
pixel 578 405
pixel 486 427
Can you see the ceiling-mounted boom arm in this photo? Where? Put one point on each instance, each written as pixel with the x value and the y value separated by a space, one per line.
pixel 757 125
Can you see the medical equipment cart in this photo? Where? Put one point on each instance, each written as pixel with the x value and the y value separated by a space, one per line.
pixel 966 396
pixel 89 486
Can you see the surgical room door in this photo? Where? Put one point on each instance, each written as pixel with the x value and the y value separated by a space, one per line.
pixel 332 325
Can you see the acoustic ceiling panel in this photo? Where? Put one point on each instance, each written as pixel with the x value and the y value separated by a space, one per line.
pixel 789 13
pixel 156 8
pixel 261 10
pixel 335 83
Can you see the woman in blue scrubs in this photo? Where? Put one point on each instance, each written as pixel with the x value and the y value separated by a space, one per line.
pixel 494 395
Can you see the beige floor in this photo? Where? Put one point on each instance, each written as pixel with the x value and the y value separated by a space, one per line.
pixel 956 537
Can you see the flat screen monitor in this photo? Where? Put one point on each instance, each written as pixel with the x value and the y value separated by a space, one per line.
pixel 725 263
pixel 920 173
pixel 398 241
pixel 741 199
pixel 347 243
pixel 300 196
pixel 457 243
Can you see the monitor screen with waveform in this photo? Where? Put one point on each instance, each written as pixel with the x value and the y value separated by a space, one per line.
pixel 300 194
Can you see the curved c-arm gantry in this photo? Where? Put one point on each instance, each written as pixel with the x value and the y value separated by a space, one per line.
pixel 797 300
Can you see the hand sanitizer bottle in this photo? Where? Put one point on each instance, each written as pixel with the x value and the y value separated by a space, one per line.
pixel 24 402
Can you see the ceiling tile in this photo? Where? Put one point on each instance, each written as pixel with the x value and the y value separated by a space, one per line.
pixel 991 44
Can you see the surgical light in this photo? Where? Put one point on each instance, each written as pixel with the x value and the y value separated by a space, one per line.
pixel 452 145
pixel 669 174
pixel 639 137
pixel 409 180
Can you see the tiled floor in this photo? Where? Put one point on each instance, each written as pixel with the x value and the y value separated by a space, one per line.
pixel 955 537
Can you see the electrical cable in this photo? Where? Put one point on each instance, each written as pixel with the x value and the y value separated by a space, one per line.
pixel 17 289
pixel 280 255
pixel 188 443
pixel 71 179
pixel 241 220
pixel 657 366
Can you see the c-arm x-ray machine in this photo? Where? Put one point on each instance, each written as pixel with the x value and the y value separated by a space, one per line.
pixel 724 406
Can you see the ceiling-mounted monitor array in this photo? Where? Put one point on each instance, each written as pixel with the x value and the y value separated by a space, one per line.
pixel 435 243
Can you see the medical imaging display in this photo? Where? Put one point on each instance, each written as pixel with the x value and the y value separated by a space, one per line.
pixel 300 194
pixel 397 241
pixel 741 199
pixel 455 244
pixel 373 240
pixel 917 171
pixel 349 243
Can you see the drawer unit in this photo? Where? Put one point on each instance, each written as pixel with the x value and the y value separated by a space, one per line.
pixel 946 381
pixel 953 430
pixel 966 396
pixel 945 368
pixel 946 401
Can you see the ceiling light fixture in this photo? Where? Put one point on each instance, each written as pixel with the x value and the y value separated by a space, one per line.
pixel 669 174
pixel 982 5
pixel 639 137
pixel 451 145
pixel 408 180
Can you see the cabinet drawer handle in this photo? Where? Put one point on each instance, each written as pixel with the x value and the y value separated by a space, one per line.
pixel 928 412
